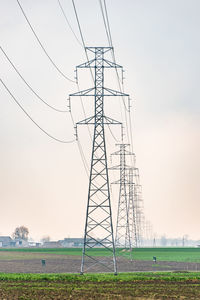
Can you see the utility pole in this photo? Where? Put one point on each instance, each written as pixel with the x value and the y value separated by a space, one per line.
pixel 98 225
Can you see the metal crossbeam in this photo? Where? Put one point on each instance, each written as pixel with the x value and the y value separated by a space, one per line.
pixel 95 92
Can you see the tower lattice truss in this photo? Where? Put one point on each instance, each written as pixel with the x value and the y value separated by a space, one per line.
pixel 98 225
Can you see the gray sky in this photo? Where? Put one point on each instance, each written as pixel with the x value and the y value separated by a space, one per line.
pixel 43 184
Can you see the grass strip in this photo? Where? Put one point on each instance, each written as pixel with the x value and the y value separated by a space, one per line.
pixel 145 254
pixel 102 277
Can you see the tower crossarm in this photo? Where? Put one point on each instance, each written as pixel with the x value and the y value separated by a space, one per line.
pixel 114 93
pixel 119 167
pixel 91 121
pixel 87 92
pixel 106 92
pixel 118 182
pixel 91 64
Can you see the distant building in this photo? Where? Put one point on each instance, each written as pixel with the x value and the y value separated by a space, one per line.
pixel 72 242
pixel 6 241
pixel 52 244
pixel 21 243
pixel 34 244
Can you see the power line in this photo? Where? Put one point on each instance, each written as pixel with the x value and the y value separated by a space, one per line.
pixel 111 44
pixel 79 26
pixel 82 38
pixel 109 37
pixel 128 126
pixel 65 16
pixel 105 25
pixel 116 140
pixel 108 33
pixel 81 35
pixel 28 85
pixel 83 45
pixel 83 158
pixel 41 45
pixel 84 113
pixel 83 42
pixel 84 161
pixel 108 23
pixel 44 131
pixel 131 131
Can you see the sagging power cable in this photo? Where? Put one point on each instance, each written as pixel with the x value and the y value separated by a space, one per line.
pixel 109 37
pixel 82 38
pixel 65 16
pixel 129 130
pixel 27 114
pixel 41 45
pixel 28 85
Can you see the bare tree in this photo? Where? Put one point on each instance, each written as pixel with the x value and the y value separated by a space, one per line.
pixel 21 233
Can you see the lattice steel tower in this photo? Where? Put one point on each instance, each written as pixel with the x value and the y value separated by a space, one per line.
pixel 123 238
pixel 98 226
pixel 132 208
pixel 138 206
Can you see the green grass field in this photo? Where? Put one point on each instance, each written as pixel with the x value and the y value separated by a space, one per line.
pixel 137 285
pixel 103 277
pixel 100 286
pixel 162 254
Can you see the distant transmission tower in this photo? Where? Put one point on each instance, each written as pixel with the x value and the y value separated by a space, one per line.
pixel 139 209
pixel 129 225
pixel 122 238
pixel 98 225
pixel 132 208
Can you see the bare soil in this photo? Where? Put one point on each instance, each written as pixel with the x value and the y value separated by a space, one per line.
pixel 32 263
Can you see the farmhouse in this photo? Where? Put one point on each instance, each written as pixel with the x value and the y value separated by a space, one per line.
pixel 6 241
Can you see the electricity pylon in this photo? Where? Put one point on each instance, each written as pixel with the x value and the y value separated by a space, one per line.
pixel 98 226
pixel 132 208
pixel 139 210
pixel 122 238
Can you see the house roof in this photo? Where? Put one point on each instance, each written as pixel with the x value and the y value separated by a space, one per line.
pixel 5 239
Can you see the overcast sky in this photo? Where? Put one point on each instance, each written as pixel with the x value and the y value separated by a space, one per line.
pixel 43 184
